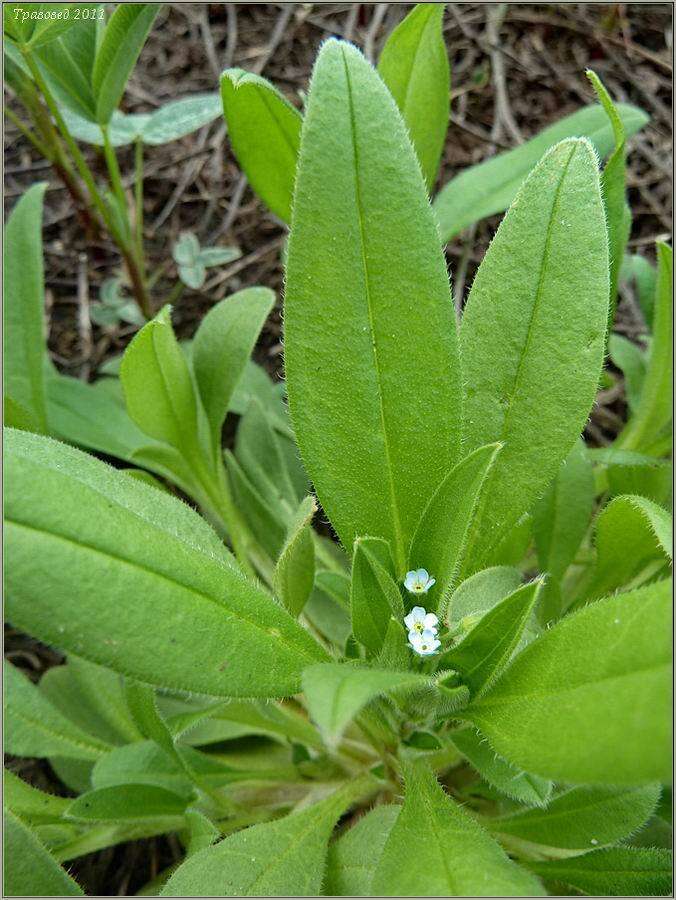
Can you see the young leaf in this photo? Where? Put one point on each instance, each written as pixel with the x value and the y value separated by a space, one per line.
pixel 202 832
pixel 86 542
pixel 222 347
pixel 264 131
pixel 23 340
pixel 335 692
pixel 178 118
pixel 522 786
pixel 631 533
pixel 36 728
pixel 126 801
pixel 583 818
pixel 374 595
pixel 295 571
pixel 259 450
pixel 31 804
pixel 599 710
pixel 490 187
pixel 283 858
pixel 655 402
pixel 97 692
pixel 414 66
pixel 613 182
pixel 116 55
pixel 353 858
pixel 551 243
pixel 30 869
pixel 632 361
pixel 644 274
pixel 376 436
pixel 439 539
pixel 158 387
pixel 486 650
pixel 436 849
pixel 267 523
pixel 614 872
pixel 477 595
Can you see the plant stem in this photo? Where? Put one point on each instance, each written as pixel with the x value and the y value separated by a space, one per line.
pixel 138 199
pixel 29 135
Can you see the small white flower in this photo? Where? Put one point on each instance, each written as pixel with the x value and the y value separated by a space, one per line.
pixel 418 581
pixel 424 643
pixel 418 621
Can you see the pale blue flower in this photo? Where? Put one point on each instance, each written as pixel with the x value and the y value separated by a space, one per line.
pixel 424 643
pixel 418 581
pixel 418 620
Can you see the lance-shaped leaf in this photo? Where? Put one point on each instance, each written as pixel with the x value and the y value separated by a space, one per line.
pixel 30 869
pixel 641 271
pixel 583 818
pixel 31 804
pixel 614 872
pixel 295 570
pixel 439 540
pixel 126 801
pixel 613 182
pixel 477 595
pixel 632 533
pixel 436 849
pixel 655 402
pixel 264 130
pixel 374 595
pixel 335 692
pixel 486 650
pixel 490 187
pixel 114 570
pixel 158 387
pixel 372 369
pixel 552 244
pixel 283 858
pixel 23 336
pixel 353 858
pixel 222 347
pixel 515 783
pixel 116 55
pixel 632 361
pixel 588 701
pixel 414 65
pixel 36 728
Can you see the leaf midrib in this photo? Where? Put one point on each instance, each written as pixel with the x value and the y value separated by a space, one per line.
pixel 395 517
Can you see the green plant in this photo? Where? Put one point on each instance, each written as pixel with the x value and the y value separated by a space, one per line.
pixel 489 639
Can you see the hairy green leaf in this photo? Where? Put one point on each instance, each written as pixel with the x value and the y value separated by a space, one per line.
pixel 436 849
pixel 477 595
pixel 353 858
pixel 23 341
pixel 414 66
pixel 486 650
pixel 632 360
pixel 583 818
pixel 116 55
pixel 372 370
pixel 588 700
pixel 374 595
pixel 631 534
pixel 551 244
pixel 283 858
pixel 264 130
pixel 491 186
pixel 222 347
pixel 335 692
pixel 522 786
pixel 295 570
pixel 655 402
pixel 126 801
pixel 31 804
pixel 30 869
pixel 34 727
pixel 614 872
pixel 439 540
pixel 113 570
pixel 638 269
